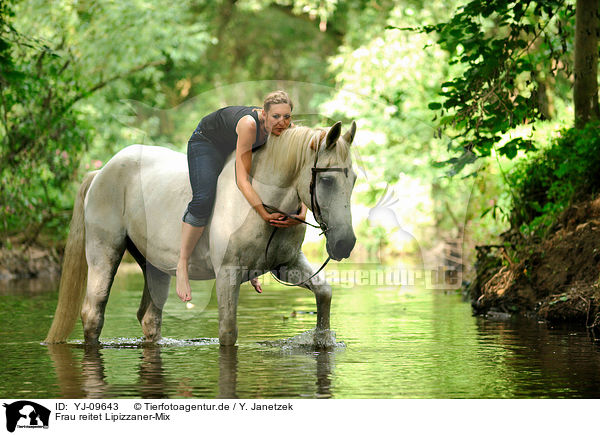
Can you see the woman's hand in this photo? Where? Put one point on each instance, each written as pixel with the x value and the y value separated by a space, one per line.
pixel 275 219
pixel 280 220
pixel 291 222
pixel 286 222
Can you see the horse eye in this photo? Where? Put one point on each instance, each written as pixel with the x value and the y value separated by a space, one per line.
pixel 326 180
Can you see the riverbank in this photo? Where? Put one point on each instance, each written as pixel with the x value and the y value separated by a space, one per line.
pixel 556 278
pixel 29 262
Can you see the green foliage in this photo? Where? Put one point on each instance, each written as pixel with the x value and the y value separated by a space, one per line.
pixel 253 47
pixel 374 239
pixel 74 71
pixel 506 53
pixel 314 8
pixel 385 81
pixel 65 69
pixel 42 137
pixel 547 183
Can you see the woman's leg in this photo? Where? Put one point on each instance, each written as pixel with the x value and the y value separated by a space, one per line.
pixel 205 164
pixel 189 238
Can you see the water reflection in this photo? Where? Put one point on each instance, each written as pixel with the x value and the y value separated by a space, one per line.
pixel 152 379
pixel 92 373
pixel 29 286
pixel 228 363
pixel 68 371
pixel 324 371
pixel 544 361
pixel 81 373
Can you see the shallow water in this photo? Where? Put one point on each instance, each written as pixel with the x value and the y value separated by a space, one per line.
pixel 392 343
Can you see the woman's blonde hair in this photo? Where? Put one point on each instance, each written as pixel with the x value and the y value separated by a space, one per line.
pixel 277 97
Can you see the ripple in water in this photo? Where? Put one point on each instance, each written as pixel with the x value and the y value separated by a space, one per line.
pixel 313 339
pixel 188 342
pixel 128 342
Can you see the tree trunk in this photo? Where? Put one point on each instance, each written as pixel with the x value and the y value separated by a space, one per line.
pixel 544 98
pixel 585 91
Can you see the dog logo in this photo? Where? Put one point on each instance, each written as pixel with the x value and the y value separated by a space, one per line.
pixel 26 414
pixel 384 216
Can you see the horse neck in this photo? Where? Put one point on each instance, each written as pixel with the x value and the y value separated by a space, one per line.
pixel 263 171
pixel 275 187
pixel 290 177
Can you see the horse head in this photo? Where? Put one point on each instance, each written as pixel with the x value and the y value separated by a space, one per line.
pixel 325 185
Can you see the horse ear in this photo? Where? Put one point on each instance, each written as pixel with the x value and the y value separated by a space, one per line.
pixel 349 135
pixel 333 135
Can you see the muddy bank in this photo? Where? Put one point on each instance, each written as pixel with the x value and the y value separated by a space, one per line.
pixel 556 278
pixel 31 262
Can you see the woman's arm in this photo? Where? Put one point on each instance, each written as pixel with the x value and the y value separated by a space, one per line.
pixel 246 131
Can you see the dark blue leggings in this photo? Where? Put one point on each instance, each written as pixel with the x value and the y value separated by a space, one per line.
pixel 205 163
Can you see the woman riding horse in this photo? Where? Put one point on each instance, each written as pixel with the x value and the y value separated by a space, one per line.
pixel 135 201
pixel 239 128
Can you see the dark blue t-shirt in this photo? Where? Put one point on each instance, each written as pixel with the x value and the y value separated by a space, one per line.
pixel 219 127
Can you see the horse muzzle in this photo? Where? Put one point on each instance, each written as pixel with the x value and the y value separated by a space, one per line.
pixel 341 248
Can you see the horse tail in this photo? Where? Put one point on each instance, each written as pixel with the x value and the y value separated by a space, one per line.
pixel 74 271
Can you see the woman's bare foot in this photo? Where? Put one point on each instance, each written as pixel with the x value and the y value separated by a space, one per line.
pixel 256 285
pixel 183 284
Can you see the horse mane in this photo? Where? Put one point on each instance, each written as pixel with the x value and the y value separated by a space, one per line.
pixel 295 147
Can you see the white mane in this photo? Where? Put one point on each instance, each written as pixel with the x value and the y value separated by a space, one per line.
pixel 295 147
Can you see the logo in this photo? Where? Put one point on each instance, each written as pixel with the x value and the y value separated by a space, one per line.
pixel 26 414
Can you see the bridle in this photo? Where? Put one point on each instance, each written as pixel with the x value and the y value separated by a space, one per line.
pixel 313 190
pixel 316 209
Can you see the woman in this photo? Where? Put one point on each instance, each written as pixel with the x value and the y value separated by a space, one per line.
pixel 238 128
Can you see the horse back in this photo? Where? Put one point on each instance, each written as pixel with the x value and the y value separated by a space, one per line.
pixel 142 193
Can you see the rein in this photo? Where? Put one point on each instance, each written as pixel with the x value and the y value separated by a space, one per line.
pixel 316 213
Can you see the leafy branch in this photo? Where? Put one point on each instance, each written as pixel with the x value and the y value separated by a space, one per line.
pixel 496 47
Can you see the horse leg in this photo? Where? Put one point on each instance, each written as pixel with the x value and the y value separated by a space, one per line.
pixel 299 270
pixel 156 290
pixel 103 260
pixel 228 289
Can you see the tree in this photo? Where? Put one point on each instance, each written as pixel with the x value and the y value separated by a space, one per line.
pixel 72 70
pixel 585 90
pixel 513 55
pixel 60 65
pixel 503 47
pixel 385 78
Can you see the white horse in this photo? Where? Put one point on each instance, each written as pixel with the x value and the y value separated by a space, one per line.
pixel 136 202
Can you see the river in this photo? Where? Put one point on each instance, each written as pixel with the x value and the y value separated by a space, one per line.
pixel 393 342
